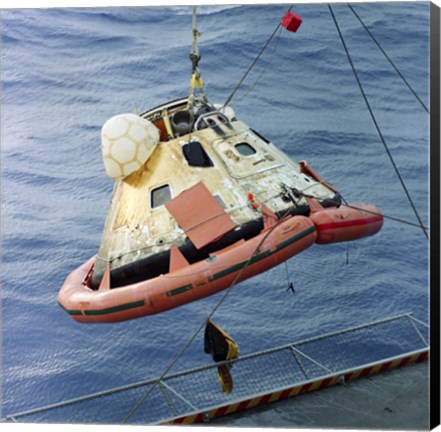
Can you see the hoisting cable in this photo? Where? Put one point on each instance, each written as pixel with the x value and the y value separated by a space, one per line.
pixel 195 57
pixel 253 63
pixel 388 217
pixel 343 202
pixel 289 284
pixel 204 323
pixel 264 69
pixel 388 58
pixel 375 122
pixel 335 203
pixel 373 213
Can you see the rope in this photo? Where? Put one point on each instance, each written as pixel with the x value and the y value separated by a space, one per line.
pixel 253 63
pixel 264 70
pixel 287 272
pixel 388 58
pixel 203 324
pixel 336 203
pixel 389 217
pixel 204 308
pixel 289 284
pixel 345 203
pixel 376 124
pixel 381 214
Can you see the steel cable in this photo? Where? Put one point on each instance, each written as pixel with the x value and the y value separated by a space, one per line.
pixel 388 58
pixel 375 122
pixel 204 323
pixel 253 63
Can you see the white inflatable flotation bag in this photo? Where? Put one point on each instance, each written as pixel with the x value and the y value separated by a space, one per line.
pixel 127 142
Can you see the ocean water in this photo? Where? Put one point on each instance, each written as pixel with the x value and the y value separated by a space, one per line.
pixel 66 71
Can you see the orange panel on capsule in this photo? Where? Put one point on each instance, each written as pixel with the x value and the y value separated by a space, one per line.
pixel 200 215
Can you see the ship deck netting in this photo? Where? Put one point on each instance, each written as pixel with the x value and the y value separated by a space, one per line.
pixel 198 390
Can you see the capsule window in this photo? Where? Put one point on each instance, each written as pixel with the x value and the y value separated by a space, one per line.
pixel 245 149
pixel 195 155
pixel 160 196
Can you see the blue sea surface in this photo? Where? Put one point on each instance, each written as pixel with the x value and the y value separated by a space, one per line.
pixel 65 71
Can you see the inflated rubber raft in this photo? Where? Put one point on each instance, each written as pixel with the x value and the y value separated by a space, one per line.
pixel 201 201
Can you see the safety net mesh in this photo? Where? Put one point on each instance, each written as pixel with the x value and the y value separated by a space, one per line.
pixel 198 390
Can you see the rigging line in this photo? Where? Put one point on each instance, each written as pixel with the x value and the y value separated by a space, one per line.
pixel 387 217
pixel 204 323
pixel 395 219
pixel 388 58
pixel 265 68
pixel 345 204
pixel 253 63
pixel 375 122
pixel 287 272
pixel 204 308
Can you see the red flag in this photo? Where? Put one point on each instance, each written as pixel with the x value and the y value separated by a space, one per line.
pixel 291 21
